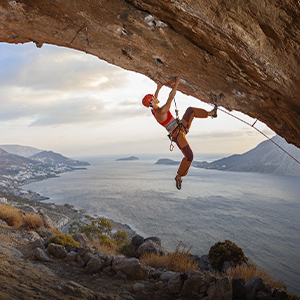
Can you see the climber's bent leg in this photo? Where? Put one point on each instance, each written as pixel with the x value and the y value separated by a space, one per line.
pixel 191 113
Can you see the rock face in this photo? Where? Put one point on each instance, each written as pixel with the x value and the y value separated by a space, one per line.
pixel 241 55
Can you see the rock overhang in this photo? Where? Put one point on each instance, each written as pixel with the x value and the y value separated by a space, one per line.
pixel 242 55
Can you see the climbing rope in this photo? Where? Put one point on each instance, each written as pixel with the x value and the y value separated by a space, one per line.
pixel 252 125
pixel 241 120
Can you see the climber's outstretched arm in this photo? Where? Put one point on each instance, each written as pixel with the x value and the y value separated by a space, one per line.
pixel 167 106
pixel 159 86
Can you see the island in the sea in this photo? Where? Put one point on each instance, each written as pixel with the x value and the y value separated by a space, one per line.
pixel 167 161
pixel 128 158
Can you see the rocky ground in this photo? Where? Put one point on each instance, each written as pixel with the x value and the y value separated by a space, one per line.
pixel 24 277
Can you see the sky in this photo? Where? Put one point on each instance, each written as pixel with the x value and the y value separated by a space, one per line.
pixel 60 99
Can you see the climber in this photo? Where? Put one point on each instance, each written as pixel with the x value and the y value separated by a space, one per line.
pixel 177 128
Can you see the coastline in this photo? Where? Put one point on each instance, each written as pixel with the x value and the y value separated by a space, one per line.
pixel 62 215
pixel 15 188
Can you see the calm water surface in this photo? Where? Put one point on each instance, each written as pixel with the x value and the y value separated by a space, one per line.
pixel 260 213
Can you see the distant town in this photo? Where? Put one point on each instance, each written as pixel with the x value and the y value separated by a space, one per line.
pixel 17 170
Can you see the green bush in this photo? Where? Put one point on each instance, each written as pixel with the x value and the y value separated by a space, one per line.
pixel 63 239
pixel 128 250
pixel 97 228
pixel 227 251
pixel 120 238
pixel 101 230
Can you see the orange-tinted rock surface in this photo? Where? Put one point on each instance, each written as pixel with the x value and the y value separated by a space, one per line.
pixel 239 54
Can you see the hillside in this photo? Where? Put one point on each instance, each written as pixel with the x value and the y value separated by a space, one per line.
pixel 25 151
pixel 264 158
pixel 16 170
pixel 12 164
pixel 52 158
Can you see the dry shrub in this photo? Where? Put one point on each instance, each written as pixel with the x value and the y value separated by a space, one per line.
pixel 109 249
pixel 32 221
pixel 11 215
pixel 250 271
pixel 14 217
pixel 177 261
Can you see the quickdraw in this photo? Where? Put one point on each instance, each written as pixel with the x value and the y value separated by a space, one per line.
pixel 87 35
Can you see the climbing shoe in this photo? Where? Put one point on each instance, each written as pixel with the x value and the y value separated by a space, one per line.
pixel 215 111
pixel 178 183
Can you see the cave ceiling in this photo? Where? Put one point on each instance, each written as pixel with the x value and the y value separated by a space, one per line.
pixel 239 54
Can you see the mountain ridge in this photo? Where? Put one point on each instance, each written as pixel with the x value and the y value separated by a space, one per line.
pixel 20 150
pixel 266 158
pixel 51 157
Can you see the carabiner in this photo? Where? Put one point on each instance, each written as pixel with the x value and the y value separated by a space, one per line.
pixel 171 146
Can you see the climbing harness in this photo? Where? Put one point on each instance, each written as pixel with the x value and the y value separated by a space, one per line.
pixel 178 126
pixel 228 113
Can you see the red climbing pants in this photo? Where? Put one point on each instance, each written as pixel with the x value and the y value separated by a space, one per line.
pixel 181 140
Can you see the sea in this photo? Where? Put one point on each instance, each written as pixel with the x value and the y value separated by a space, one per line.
pixel 258 212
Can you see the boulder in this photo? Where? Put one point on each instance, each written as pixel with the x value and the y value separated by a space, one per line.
pixel 41 255
pixel 57 251
pixel 238 288
pixel 87 257
pixel 81 238
pixel 71 256
pixel 94 265
pixel 150 246
pixel 220 290
pixel 280 294
pixel 32 236
pixel 154 239
pixel 137 287
pixel 83 250
pixel 47 221
pixel 253 286
pixel 72 248
pixel 107 259
pixel 136 241
pixel 175 283
pixel 204 263
pixel 3 223
pixel 38 243
pixel 131 267
pixel 45 232
pixel 193 283
pixel 121 275
pixel 263 296
pixel 167 275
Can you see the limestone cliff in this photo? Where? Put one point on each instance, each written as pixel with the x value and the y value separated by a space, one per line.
pixel 239 54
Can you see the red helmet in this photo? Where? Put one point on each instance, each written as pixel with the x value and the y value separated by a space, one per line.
pixel 146 100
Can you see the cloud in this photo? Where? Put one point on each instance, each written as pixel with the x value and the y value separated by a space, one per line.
pixel 54 86
pixel 53 68
pixel 82 110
